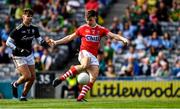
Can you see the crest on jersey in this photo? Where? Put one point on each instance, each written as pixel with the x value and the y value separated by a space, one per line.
pixel 92 38
pixel 28 30
pixel 93 31
pixel 33 30
pixel 98 32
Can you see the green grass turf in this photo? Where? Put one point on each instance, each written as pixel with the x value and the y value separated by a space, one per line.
pixel 91 104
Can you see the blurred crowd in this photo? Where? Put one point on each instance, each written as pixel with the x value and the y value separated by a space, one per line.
pixel 154 48
pixel 152 26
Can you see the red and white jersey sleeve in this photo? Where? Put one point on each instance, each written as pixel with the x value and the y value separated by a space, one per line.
pixel 90 37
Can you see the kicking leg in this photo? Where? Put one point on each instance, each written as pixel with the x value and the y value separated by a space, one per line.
pixel 73 71
pixel 93 72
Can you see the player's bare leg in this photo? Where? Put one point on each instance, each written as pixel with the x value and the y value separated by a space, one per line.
pixel 73 71
pixel 24 70
pixel 29 83
pixel 93 71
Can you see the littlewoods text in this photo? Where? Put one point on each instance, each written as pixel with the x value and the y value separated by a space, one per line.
pixel 115 90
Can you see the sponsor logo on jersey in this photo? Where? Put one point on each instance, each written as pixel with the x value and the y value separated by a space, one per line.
pixel 27 38
pixel 92 38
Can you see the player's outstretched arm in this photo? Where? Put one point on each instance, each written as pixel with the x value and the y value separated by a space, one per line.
pixel 118 37
pixel 64 40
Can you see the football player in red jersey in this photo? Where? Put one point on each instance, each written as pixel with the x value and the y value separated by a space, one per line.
pixel 91 34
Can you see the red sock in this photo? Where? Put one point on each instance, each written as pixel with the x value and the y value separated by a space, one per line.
pixel 72 71
pixel 84 90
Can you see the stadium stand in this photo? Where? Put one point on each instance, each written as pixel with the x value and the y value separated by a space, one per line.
pixel 151 36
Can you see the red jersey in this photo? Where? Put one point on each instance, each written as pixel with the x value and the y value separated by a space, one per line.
pixel 90 37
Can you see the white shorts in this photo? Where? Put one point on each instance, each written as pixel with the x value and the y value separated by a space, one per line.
pixel 21 60
pixel 85 53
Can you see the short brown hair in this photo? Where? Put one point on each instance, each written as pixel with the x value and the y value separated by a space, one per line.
pixel 91 13
pixel 28 11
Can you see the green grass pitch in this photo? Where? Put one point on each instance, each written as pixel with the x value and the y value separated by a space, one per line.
pixel 100 103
